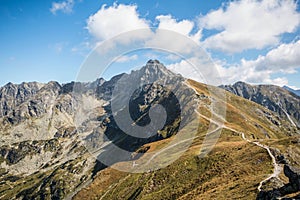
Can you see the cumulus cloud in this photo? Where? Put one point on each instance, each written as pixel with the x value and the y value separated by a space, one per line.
pixel 201 69
pixel 111 21
pixel 250 24
pixel 119 18
pixel 64 6
pixel 186 69
pixel 183 27
pixel 247 72
pixel 283 59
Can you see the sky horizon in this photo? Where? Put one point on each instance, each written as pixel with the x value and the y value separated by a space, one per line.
pixel 252 41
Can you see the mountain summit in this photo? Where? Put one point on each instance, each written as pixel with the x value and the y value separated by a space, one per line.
pixel 154 71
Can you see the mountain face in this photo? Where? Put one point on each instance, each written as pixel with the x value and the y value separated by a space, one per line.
pixel 59 141
pixel 297 92
pixel 275 98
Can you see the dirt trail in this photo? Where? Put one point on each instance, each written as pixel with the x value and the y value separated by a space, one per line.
pixel 277 168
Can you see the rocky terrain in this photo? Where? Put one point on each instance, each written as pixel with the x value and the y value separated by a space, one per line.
pixel 293 186
pixel 51 135
pixel 275 98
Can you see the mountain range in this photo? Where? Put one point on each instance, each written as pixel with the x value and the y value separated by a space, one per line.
pixel 70 141
pixel 277 99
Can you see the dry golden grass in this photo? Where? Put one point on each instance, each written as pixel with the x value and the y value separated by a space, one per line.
pixel 101 183
pixel 232 170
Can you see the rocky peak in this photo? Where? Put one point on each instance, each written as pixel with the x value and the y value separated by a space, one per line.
pixel 12 95
pixel 241 89
pixel 52 85
pixel 97 83
pixel 19 90
pixel 153 61
pixel 154 71
pixel 154 67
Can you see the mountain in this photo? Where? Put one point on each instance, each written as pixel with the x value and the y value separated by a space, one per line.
pixel 276 99
pixel 297 92
pixel 12 95
pixel 140 136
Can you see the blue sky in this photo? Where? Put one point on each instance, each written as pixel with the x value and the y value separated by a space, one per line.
pixel 252 41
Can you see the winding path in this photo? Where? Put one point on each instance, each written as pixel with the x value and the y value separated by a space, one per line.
pixel 277 168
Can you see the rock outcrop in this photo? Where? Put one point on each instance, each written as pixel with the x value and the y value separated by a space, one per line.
pixel 292 187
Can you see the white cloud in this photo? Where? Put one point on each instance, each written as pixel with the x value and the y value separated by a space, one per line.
pixel 247 73
pixel 284 59
pixel 201 69
pixel 171 41
pixel 111 21
pixel 125 58
pixel 219 74
pixel 293 87
pixel 250 24
pixel 186 69
pixel 119 18
pixel 64 6
pixel 183 27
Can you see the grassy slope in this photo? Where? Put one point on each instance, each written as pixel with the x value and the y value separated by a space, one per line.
pixel 232 170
